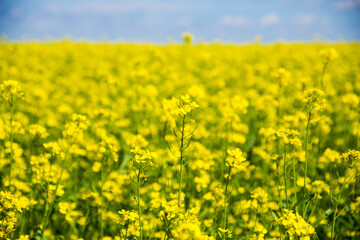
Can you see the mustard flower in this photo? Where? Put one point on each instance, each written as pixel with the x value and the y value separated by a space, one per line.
pixel 314 99
pixel 184 105
pixel 9 208
pixel 9 90
pixel 235 158
pixel 142 156
pixel 295 225
pixel 188 38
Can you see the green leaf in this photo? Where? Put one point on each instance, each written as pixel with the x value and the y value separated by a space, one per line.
pixel 275 214
pixel 303 200
pixel 124 163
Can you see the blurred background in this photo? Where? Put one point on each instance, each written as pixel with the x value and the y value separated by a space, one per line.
pixel 162 21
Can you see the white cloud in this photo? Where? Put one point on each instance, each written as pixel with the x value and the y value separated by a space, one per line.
pixel 270 19
pixel 346 4
pixel 151 20
pixel 185 21
pixel 305 20
pixel 234 21
pixel 112 6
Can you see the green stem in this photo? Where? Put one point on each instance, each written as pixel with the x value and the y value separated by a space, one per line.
pixel 51 205
pixel 285 178
pixel 306 209
pixel 86 218
pixel 337 204
pixel 334 220
pixel 294 183
pixel 102 200
pixel 256 217
pixel 323 74
pixel 11 139
pixel 138 202
pixel 313 210
pixel 306 154
pixel 279 106
pixel 225 199
pixel 181 159
pixel 279 191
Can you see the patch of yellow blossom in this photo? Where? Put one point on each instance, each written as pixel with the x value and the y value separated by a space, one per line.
pixel 9 209
pixel 235 158
pixel 142 156
pixel 184 105
pixel 10 90
pixel 295 225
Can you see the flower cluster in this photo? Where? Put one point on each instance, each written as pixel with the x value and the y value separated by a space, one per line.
pixel 109 147
pixel 225 232
pixel 142 156
pixel 351 158
pixel 78 124
pixel 328 54
pixel 9 209
pixel 295 225
pixel 314 99
pixel 184 105
pixel 188 38
pixel 127 217
pixel 260 195
pixel 38 131
pixel 235 158
pixel 129 220
pixel 289 137
pixel 282 75
pixel 10 90
pixel 71 215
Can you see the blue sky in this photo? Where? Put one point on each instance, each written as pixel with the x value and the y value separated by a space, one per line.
pixel 160 21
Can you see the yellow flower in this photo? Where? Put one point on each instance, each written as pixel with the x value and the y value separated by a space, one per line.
pixel 9 90
pixel 289 137
pixel 184 105
pixel 295 225
pixel 223 232
pixel 142 156
pixel 260 195
pixel 235 158
pixel 188 38
pixel 24 237
pixel 9 208
pixel 328 54
pixel 314 99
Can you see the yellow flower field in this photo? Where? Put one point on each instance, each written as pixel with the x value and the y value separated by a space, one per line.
pixel 180 141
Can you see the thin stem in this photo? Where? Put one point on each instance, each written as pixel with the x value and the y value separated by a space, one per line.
pixel 323 73
pixel 102 199
pixel 306 209
pixel 334 220
pixel 279 191
pixel 48 210
pixel 279 106
pixel 306 153
pixel 86 219
pixel 294 182
pixel 138 202
pixel 225 199
pixel 181 159
pixel 256 217
pixel 285 178
pixel 313 210
pixel 337 204
pixel 11 139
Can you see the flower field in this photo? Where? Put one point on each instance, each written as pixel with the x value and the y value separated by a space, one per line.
pixel 181 141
